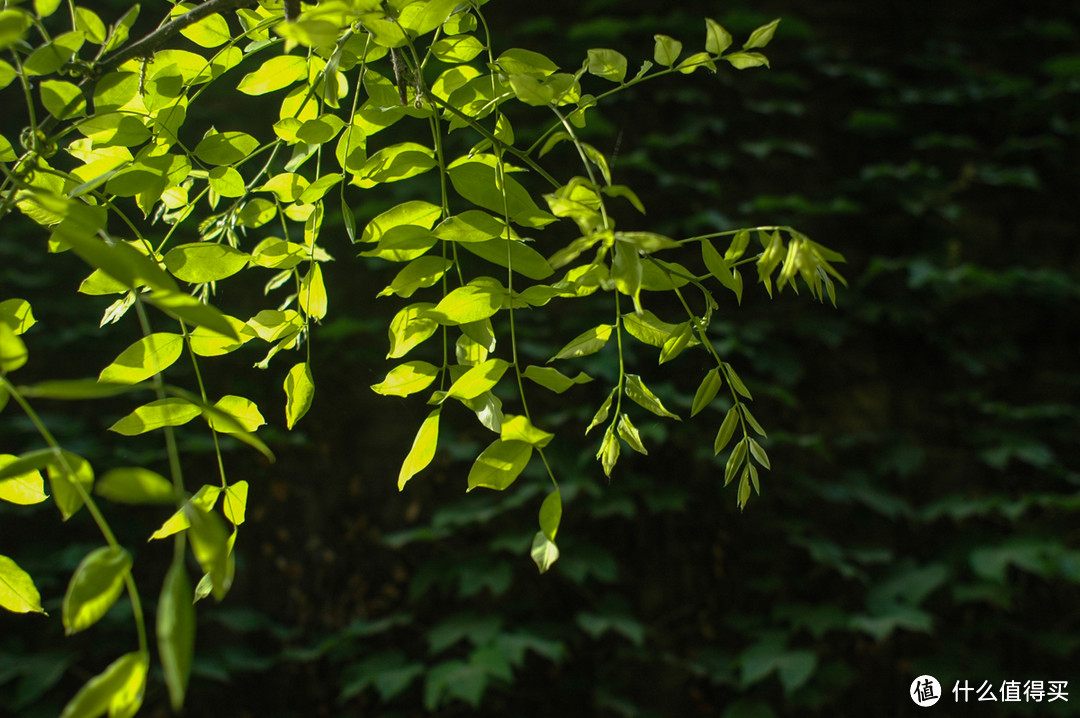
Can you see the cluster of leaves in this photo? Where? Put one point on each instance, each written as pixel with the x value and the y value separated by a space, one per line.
pixel 114 174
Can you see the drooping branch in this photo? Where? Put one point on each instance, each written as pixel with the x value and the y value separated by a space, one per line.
pixel 148 45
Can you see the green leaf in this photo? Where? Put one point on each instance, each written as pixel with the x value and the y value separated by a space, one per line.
pixel 423 449
pixel 17 314
pixel 18 593
pixel 135 485
pixel 544 552
pixel 395 163
pixel 478 182
pixel 524 260
pixel 312 298
pixel 727 430
pixel 551 378
pixel 751 420
pixel 234 414
pixel 13 23
pixel 720 268
pixel 706 391
pixel 299 392
pixel 478 379
pixel 188 309
pixel 24 488
pixel 519 428
pixel 744 60
pixel 586 343
pixel 460 48
pixel 143 359
pixel 551 515
pixel 225 148
pixel 155 415
pixel 417 274
pixel 76 389
pixel 717 39
pixel 274 74
pixel 695 61
pixel 647 328
pixel 759 453
pixel 89 22
pixel 637 391
pixel 207 343
pixel 227 182
pixel 608 64
pixel 96 584
pixel 470 303
pixel 678 341
pixel 210 544
pixel 67 496
pixel 176 632
pixel 735 462
pixel 761 36
pixel 602 413
pixel 666 50
pixel 117 690
pixel 736 382
pixel 234 503
pixel 517 61
pixel 414 212
pixel 408 378
pixel 608 453
pixel 647 242
pixel 409 328
pixel 211 31
pixel 63 100
pixel 630 434
pixel 499 464
pixel 204 499
pixel 13 352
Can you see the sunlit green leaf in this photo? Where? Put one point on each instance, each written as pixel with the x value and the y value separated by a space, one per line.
pixel 407 378
pixel 225 148
pixel 274 74
pixel 641 395
pixel 140 361
pixel 234 502
pixel 66 475
pixel 17 314
pixel 234 414
pixel 588 342
pixel 519 428
pixel 417 274
pixel 761 36
pixel 118 690
pixel 313 299
pixel 94 587
pixel 470 303
pixel 423 449
pixel 608 64
pixel 551 378
pixel 155 415
pixel 666 50
pixel 210 544
pixel 717 39
pixel 176 632
pixel 499 464
pixel 13 352
pixel 478 379
pixel 706 391
pixel 727 430
pixel 18 593
pixel 299 393
pixel 135 485
pixel 24 489
pixel 544 552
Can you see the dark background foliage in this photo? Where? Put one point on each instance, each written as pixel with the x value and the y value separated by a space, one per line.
pixel 921 513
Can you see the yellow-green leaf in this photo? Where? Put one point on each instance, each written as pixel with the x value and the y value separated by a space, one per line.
pixel 274 74
pixel 94 587
pixel 499 465
pixel 176 632
pixel 135 485
pixel 234 414
pixel 143 359
pixel 155 415
pixel 234 504
pixel 423 449
pixel 299 393
pixel 313 298
pixel 118 690
pixel 407 378
pixel 544 552
pixel 519 428
pixel 24 489
pixel 18 593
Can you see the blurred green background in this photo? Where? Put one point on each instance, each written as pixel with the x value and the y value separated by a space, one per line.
pixel 921 515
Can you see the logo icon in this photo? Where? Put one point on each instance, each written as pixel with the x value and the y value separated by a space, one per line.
pixel 925 691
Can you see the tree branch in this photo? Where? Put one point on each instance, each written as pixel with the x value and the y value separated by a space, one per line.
pixel 148 45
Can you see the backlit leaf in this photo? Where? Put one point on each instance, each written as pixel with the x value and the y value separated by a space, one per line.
pixel 234 502
pixel 630 435
pixel 407 378
pixel 588 342
pixel 608 64
pixel 470 303
pixel 519 428
pixel 641 395
pixel 66 475
pixel 210 544
pixel 274 74
pixel 727 430
pixel 761 36
pixel 544 552
pixel 140 361
pixel 717 39
pixel 233 414
pixel 118 690
pixel 18 593
pixel 551 514
pixel 423 449
pixel 499 464
pixel 225 148
pixel 478 379
pixel 135 485
pixel 24 489
pixel 706 391
pixel 666 50
pixel 176 632
pixel 299 393
pixel 155 415
pixel 94 587
pixel 551 378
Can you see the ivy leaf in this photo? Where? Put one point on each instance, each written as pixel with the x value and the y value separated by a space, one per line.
pixel 94 587
pixel 499 464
